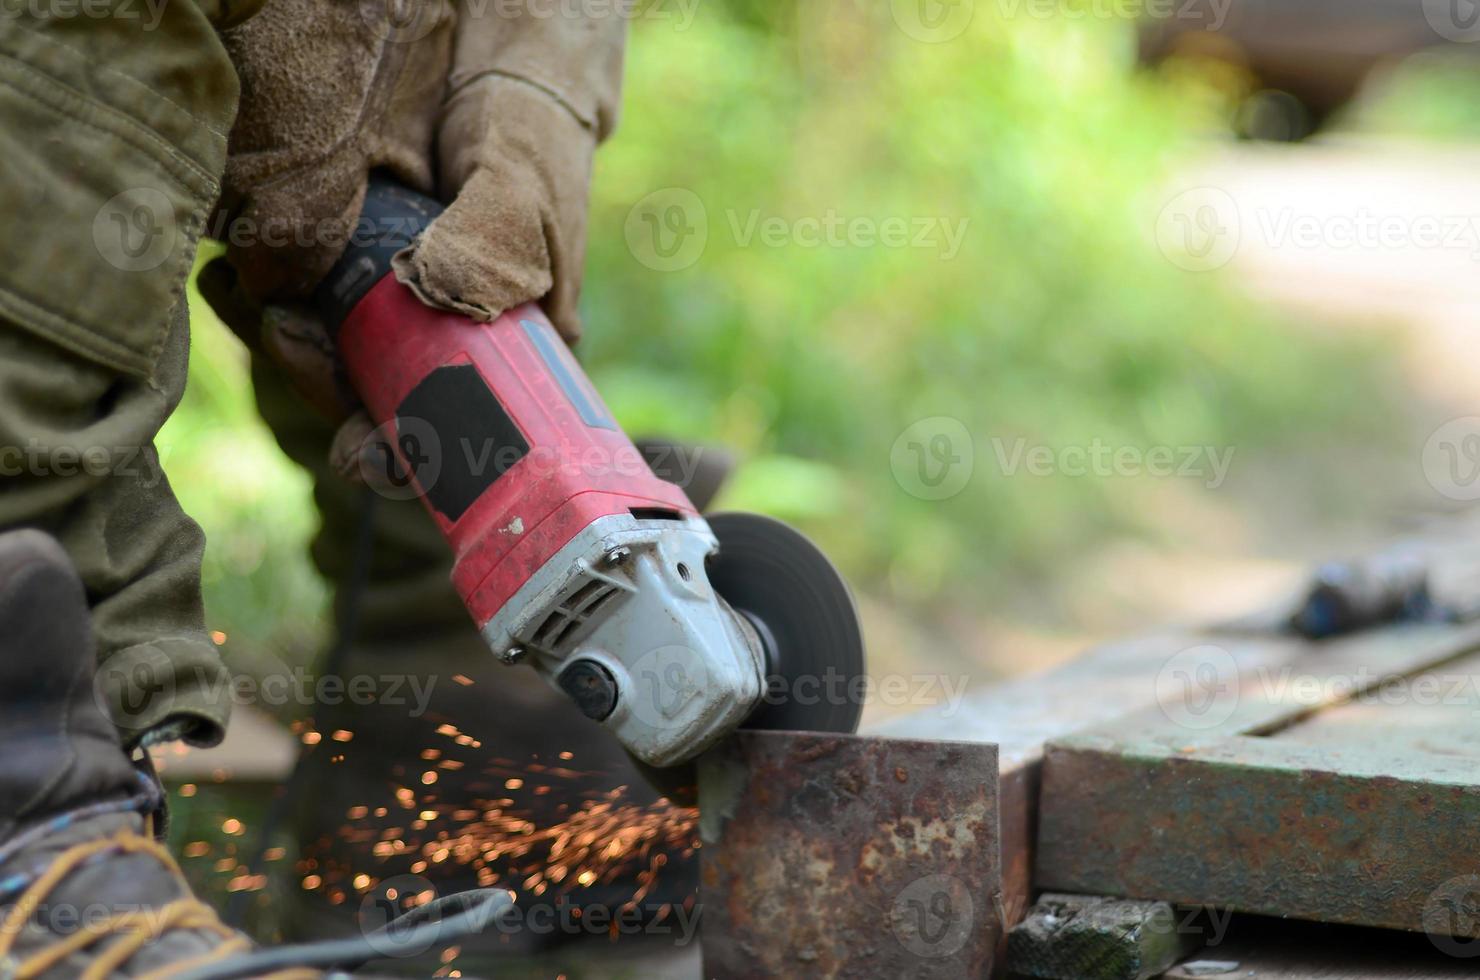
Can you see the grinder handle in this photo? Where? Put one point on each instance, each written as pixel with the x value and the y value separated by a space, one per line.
pixel 391 219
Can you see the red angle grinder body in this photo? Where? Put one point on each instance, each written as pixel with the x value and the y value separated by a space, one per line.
pixel 570 553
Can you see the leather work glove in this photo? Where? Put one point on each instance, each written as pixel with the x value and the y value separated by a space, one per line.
pixel 496 108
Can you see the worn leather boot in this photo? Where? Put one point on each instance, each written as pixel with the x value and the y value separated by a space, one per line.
pixel 85 890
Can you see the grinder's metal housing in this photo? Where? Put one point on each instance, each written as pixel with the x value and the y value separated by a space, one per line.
pixel 623 618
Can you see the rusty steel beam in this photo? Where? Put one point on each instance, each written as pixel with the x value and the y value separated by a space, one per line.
pixel 849 857
pixel 1345 789
pixel 1022 715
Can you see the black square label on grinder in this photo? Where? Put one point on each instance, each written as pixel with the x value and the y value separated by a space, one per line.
pixel 456 438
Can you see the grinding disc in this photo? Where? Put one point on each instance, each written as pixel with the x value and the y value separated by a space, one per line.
pixel 804 614
pixel 801 607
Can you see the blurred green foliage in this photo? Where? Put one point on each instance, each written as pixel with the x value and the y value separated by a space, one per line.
pixel 1433 95
pixel 255 505
pixel 1057 319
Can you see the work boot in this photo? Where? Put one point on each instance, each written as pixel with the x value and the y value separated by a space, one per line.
pixel 85 890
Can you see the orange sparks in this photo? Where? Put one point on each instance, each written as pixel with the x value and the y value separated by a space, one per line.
pixel 601 839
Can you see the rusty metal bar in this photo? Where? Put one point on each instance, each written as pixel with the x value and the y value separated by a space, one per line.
pixel 1333 791
pixel 849 857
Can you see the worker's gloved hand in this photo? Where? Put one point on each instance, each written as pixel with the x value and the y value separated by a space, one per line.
pixel 496 109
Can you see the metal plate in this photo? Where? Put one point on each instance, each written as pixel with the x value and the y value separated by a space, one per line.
pixel 1343 786
pixel 784 584
pixel 848 857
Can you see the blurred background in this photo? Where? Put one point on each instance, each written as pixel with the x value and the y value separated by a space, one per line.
pixel 1051 319
pixel 1043 220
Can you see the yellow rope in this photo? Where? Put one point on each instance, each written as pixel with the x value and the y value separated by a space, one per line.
pixel 134 930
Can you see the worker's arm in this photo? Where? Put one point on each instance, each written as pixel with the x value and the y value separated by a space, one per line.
pixel 496 107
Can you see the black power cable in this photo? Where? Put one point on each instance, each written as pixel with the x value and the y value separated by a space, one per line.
pixel 413 933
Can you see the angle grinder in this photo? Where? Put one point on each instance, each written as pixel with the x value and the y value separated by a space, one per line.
pixel 572 556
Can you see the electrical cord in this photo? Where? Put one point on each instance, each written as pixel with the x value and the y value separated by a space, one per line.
pixel 415 932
